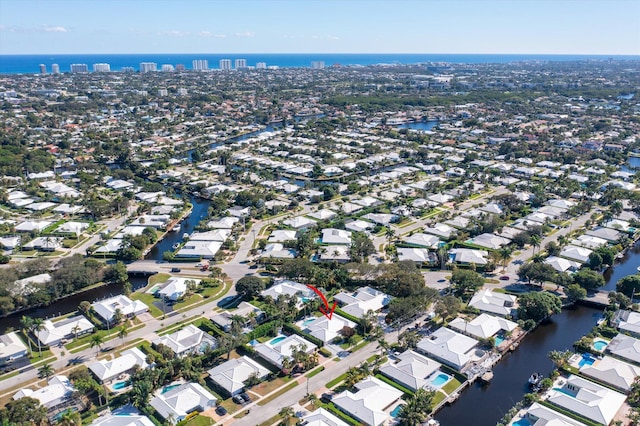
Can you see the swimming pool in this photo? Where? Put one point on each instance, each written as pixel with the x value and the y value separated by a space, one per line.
pixel 498 339
pixel 586 360
pixel 169 387
pixel 566 392
pixel 440 380
pixel 599 345
pixel 119 385
pixel 521 422
pixel 277 340
pixel 396 411
pixel 308 321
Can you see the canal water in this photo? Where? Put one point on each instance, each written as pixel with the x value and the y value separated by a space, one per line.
pixel 485 404
pixel 419 125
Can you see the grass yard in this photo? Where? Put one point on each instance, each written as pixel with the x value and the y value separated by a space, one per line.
pixel 336 381
pixel 265 387
pixel 230 406
pixel 438 398
pixel 36 358
pixel 148 300
pixel 199 421
pixel 451 386
pixel 277 394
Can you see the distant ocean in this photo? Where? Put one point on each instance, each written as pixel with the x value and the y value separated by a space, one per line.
pixel 27 64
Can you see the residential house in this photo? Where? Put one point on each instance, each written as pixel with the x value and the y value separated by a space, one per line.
pixel 199 249
pixel 187 340
pixel 540 415
pixel 412 370
pixel 612 371
pixel 490 241
pixel 419 256
pixel 282 347
pixel 245 310
pixel 464 256
pixel 365 299
pixel 628 321
pixel 176 287
pixel 53 333
pixel 580 254
pixel 232 374
pixel 494 303
pixel 562 265
pixel 422 240
pixel 327 329
pixel 625 347
pixel 107 370
pixel 336 236
pixel 58 392
pixel 175 404
pixel 128 308
pixel 322 417
pixel 11 348
pixel 449 347
pixel 370 403
pixel 291 288
pixel 483 326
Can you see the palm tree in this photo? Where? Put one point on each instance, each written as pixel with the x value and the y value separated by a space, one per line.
pixel 45 371
pixel 535 242
pixel 352 377
pixel 97 340
pixel 286 413
pixel 70 418
pixel 560 358
pixel 390 234
pixel 411 414
pixel 38 325
pixel 122 333
pixel 313 399
pixel 27 324
pixel 75 330
pixel 505 254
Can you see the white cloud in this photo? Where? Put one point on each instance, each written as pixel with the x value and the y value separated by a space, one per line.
pixel 245 34
pixel 210 34
pixel 54 29
pixel 174 33
pixel 332 37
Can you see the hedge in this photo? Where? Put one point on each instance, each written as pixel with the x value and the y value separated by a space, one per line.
pixel 295 330
pixel 266 329
pixel 208 326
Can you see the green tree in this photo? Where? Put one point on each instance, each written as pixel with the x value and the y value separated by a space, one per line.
pixel 249 286
pixel 361 247
pixel 45 371
pixel 97 340
pixel 575 292
pixel 286 413
pixel 26 323
pixel 629 285
pixel 38 326
pixel 117 273
pixel 588 279
pixel 537 272
pixel 122 332
pixel 448 306
pixel 25 411
pixel 70 418
pixel 466 281
pixel 538 306
pixel 560 358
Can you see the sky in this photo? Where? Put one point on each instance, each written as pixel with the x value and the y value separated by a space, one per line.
pixel 606 27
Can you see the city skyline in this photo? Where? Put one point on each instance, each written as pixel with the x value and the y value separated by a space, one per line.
pixel 352 26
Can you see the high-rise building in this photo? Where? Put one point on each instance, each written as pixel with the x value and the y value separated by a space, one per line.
pixel 55 69
pixel 43 69
pixel 241 64
pixel 317 65
pixel 128 69
pixel 182 92
pixel 225 64
pixel 167 68
pixel 79 68
pixel 148 67
pixel 180 67
pixel 200 64
pixel 101 67
pixel 163 92
pixel 261 65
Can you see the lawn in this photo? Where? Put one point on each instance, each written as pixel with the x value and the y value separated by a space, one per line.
pixel 148 300
pixel 451 386
pixel 265 387
pixel 157 278
pixel 231 406
pixel 438 398
pixel 278 393
pixel 36 358
pixel 199 421
pixel 336 381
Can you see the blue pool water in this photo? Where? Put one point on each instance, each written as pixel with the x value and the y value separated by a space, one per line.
pixel 169 387
pixel 521 422
pixel 566 392
pixel 499 339
pixel 277 340
pixel 396 411
pixel 120 385
pixel 440 380
pixel 600 345
pixel 308 321
pixel 586 360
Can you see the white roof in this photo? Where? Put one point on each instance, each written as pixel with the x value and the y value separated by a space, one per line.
pixel 106 370
pixel 588 399
pixel 11 347
pixel 106 308
pixel 422 240
pixel 367 404
pixel 490 241
pixel 58 389
pixel 540 415
pixel 324 214
pixel 275 353
pixel 626 347
pixel 282 235
pixel 448 346
pixel 328 329
pixel 441 230
pixel 362 301
pixel 182 400
pixel 483 326
pixel 287 287
pixel 562 265
pixel 299 222
pixel 122 420
pixel 612 371
pixel 322 417
pixel 336 236
pixel 496 303
pixel 184 340
pixel 175 287
pixel 223 223
pixel 465 255
pixel 589 241
pixel 630 322
pixel 215 235
pixel 33 225
pixel 580 254
pixel 232 374
pixel 204 249
pixel 606 233
pixel 53 332
pixel 72 227
pixel 412 370
pixel 359 225
pixel 413 254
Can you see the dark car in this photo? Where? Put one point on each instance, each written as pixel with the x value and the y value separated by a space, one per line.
pixel 220 410
pixel 238 399
pixel 504 278
pixel 175 269
pixel 326 398
pixel 246 397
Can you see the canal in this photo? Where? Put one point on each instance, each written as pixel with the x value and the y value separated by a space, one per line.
pixel 485 404
pixel 626 266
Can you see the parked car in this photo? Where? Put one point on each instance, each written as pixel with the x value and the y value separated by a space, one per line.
pixel 504 278
pixel 220 410
pixel 326 398
pixel 245 396
pixel 175 269
pixel 238 399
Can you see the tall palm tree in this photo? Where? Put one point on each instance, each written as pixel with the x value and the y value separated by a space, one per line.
pixel 70 418
pixel 75 330
pixel 97 340
pixel 27 324
pixel 505 254
pixel 38 325
pixel 287 414
pixel 535 242
pixel 122 333
pixel 45 371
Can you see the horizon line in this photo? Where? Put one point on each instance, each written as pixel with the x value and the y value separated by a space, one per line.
pixel 323 53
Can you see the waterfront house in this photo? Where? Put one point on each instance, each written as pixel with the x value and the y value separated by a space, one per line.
pixel 625 347
pixel 187 340
pixel 483 326
pixel 411 370
pixel 30 284
pixel 628 321
pixel 451 348
pixel 580 254
pixel 614 372
pixel 106 308
pixel 232 374
pixel 608 234
pixel 175 404
pixel 129 360
pixel 494 303
pixel 53 333
pixel 175 287
pixel 369 403
pixel 322 417
pixel 540 415
pixel 11 348
pixel 586 398
pixel 57 393
pixel 562 265
pixel 199 249
pixel 277 349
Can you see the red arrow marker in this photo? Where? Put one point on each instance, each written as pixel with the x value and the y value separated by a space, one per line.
pixel 326 310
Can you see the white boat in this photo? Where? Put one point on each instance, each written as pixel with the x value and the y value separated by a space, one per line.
pixel 176 245
pixel 185 236
pixel 535 379
pixel 638 268
pixel 176 228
